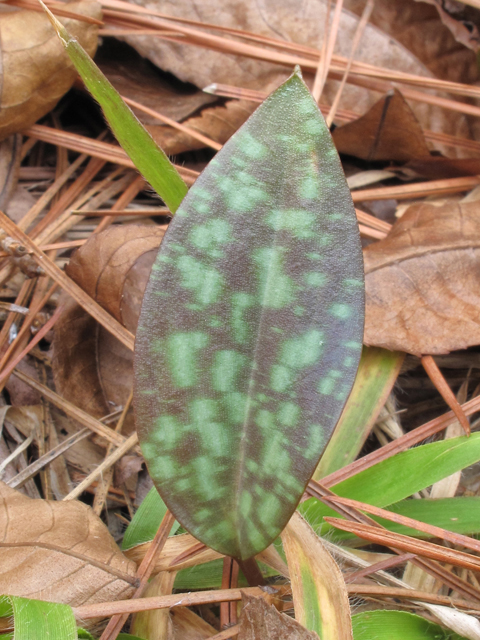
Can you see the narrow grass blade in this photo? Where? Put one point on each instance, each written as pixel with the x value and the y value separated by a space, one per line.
pixel 320 597
pixel 251 326
pixel 377 372
pixel 147 156
pixel 401 476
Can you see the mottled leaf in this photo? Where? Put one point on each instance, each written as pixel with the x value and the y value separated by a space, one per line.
pixel 251 328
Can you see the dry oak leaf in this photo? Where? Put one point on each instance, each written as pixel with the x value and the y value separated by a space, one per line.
pixel 35 70
pixel 261 621
pixel 303 23
pixel 91 368
pixel 59 551
pixel 423 281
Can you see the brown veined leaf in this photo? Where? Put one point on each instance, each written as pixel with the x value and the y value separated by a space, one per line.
pixel 261 621
pixel 36 71
pixel 60 552
pixel 92 369
pixel 217 123
pixel 423 281
pixel 388 131
pixel 280 20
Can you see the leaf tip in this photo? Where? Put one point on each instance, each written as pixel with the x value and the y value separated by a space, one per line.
pixel 296 72
pixel 57 25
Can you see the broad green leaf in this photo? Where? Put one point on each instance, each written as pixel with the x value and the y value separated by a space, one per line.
pixel 147 156
pixel 401 476
pixel 37 620
pixel 251 328
pixel 376 376
pixel 397 625
pixel 145 522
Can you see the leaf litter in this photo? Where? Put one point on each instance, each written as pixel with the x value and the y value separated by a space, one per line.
pixel 421 278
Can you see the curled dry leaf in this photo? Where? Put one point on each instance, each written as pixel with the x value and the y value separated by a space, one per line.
pixel 388 131
pixel 156 624
pixel 422 281
pixel 36 72
pixel 59 551
pixel 91 368
pixel 261 621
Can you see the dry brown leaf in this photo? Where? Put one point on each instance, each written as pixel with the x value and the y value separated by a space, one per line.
pixel 113 268
pixel 304 24
pixel 59 551
pixel 388 131
pixel 217 123
pixel 423 281
pixel 10 158
pixel 419 28
pixel 36 71
pixel 91 368
pixel 137 79
pixel 456 17
pixel 260 621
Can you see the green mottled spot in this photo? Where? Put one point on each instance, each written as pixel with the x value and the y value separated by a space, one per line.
pixel 167 432
pixel 349 362
pixel 202 514
pixel 269 510
pixel 245 503
pixel 251 465
pixel 206 479
pixel 352 344
pixel 276 290
pixel 206 282
pixel 209 236
pixel 314 256
pixel 265 420
pixel 316 440
pixel 201 203
pixel 298 221
pixel 299 311
pixel 163 467
pixel 277 330
pixel 315 279
pixel 281 378
pixel 182 352
pixel 226 368
pixel 202 410
pixel 289 414
pixel 215 438
pixel 215 322
pixel 250 146
pixel 340 310
pixel 255 538
pixel 329 384
pixel 352 283
pixel 242 192
pixel 275 456
pixel 183 484
pixel 314 127
pixel 240 303
pixel 303 351
pixel 308 188
pixel 235 405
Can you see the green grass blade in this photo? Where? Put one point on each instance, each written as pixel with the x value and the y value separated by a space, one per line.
pixel 376 376
pixel 147 156
pixel 145 522
pixel 251 326
pixel 397 625
pixel 37 620
pixel 401 476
